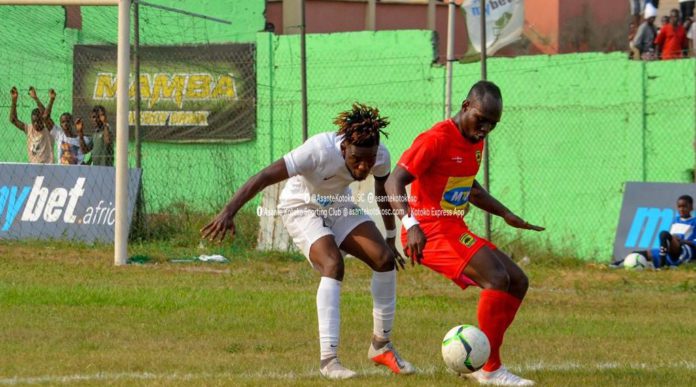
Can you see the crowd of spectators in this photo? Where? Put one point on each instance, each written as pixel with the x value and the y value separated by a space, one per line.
pixel 674 38
pixel 48 143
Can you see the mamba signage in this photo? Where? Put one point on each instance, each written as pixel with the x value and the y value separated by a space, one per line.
pixel 188 93
pixel 647 209
pixel 59 202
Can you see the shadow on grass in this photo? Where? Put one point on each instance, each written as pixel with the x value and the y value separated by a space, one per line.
pixel 174 233
pixel 542 255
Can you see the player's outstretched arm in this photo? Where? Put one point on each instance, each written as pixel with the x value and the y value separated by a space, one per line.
pixel 224 221
pixel 47 112
pixel 396 193
pixel 483 200
pixel 13 111
pixel 32 94
pixel 84 146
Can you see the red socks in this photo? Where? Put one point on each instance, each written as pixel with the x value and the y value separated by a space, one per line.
pixel 496 310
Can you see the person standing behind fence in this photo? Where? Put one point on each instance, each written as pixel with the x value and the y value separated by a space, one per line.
pixel 644 41
pixel 671 40
pixel 39 139
pixel 102 139
pixel 687 9
pixel 691 36
pixel 69 143
pixel 636 6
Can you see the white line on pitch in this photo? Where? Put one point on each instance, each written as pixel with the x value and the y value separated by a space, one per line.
pixel 308 374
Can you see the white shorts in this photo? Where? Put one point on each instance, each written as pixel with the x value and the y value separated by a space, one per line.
pixel 307 224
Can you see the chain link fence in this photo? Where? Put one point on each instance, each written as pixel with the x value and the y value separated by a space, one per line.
pixel 574 127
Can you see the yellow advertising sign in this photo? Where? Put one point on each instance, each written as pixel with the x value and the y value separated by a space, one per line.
pixel 179 87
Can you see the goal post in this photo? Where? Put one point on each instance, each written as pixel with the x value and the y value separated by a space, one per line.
pixel 122 74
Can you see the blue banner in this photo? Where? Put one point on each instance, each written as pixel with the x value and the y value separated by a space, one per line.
pixel 65 202
pixel 647 209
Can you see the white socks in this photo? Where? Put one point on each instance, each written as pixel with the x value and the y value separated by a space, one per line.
pixel 383 302
pixel 328 313
pixel 328 309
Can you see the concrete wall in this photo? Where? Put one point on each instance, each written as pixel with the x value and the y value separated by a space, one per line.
pixel 551 26
pixel 43 58
pixel 575 127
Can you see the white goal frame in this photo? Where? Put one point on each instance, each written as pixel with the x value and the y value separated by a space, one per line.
pixel 122 76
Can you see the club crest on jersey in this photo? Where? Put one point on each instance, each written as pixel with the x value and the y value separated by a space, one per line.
pixel 478 157
pixel 467 239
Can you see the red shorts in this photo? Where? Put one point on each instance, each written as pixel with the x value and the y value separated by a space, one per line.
pixel 449 248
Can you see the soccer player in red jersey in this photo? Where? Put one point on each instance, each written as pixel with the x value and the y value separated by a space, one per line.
pixel 441 166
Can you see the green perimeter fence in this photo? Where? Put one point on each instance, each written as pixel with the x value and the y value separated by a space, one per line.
pixel 574 128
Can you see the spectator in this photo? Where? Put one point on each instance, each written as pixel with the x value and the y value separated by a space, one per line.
pixel 664 20
pixel 691 36
pixel 39 138
pixel 678 245
pixel 644 41
pixel 671 40
pixel 687 10
pixel 67 156
pixel 632 51
pixel 66 140
pixel 636 7
pixel 102 138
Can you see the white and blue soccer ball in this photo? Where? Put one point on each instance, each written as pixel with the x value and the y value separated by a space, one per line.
pixel 635 261
pixel 465 349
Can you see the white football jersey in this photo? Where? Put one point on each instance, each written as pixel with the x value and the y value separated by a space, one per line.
pixel 318 172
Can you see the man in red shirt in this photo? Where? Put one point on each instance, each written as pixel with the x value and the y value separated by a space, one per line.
pixel 441 167
pixel 671 41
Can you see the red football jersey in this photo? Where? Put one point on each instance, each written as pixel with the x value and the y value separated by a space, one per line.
pixel 444 164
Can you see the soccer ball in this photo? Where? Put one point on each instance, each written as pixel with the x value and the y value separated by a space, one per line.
pixel 635 261
pixel 465 349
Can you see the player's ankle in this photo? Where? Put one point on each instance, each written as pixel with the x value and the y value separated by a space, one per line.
pixel 379 342
pixel 326 361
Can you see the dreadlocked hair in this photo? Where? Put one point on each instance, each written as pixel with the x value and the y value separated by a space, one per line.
pixel 361 125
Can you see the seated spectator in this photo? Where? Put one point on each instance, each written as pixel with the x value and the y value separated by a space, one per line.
pixel 644 41
pixel 39 137
pixel 678 245
pixel 671 40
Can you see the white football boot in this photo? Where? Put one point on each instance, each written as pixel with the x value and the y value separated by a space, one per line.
pixel 335 370
pixel 499 377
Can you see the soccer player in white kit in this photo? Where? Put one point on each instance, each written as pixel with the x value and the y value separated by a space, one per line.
pixel 319 214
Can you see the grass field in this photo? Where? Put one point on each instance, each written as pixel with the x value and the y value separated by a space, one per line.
pixel 68 316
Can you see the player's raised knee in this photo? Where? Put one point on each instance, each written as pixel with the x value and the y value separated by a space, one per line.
pixel 520 283
pixel 497 278
pixel 331 266
pixel 385 261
